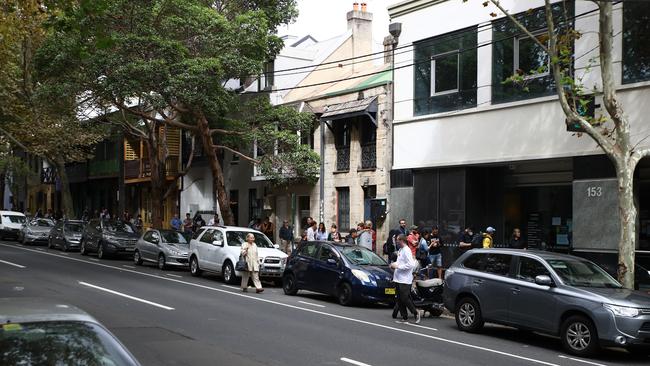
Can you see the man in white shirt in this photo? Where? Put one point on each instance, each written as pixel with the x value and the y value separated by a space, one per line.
pixel 214 220
pixel 311 232
pixel 403 277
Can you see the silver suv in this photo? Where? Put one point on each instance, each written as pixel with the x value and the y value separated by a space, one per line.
pixel 551 293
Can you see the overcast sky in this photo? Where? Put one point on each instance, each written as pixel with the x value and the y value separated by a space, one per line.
pixel 324 19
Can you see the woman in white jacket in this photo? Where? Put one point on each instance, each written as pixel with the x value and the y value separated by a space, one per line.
pixel 249 251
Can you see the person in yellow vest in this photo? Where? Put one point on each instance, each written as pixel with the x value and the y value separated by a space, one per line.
pixel 487 237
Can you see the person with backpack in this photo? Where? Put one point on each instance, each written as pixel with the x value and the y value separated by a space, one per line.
pixel 435 254
pixel 465 240
pixel 390 246
pixel 422 252
pixel 487 237
pixel 477 240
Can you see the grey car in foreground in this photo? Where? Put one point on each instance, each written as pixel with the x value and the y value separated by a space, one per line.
pixel 166 248
pixel 35 231
pixel 35 331
pixel 66 235
pixel 551 293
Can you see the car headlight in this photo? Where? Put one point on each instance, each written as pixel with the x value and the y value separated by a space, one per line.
pixel 175 252
pixel 361 275
pixel 111 239
pixel 283 262
pixel 622 310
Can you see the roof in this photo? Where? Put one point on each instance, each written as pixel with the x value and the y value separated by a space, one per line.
pixel 538 253
pixel 27 309
pixel 349 109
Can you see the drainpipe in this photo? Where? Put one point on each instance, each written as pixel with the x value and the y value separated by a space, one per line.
pixel 321 214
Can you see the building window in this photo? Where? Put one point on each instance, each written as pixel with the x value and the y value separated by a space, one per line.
pixel 343 208
pixel 368 145
pixel 516 53
pixel 636 41
pixel 342 132
pixel 254 205
pixel 445 73
pixel 401 178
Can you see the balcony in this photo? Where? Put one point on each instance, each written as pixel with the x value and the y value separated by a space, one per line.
pixel 343 158
pixel 141 169
pixel 48 176
pixel 369 156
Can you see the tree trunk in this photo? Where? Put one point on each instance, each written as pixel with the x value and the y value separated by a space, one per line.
pixel 157 182
pixel 66 194
pixel 2 191
pixel 218 185
pixel 627 217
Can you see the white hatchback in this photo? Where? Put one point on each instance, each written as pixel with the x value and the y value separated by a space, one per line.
pixel 216 249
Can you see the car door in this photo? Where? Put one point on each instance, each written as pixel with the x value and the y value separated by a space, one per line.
pixel 219 251
pixel 56 234
pixel 491 285
pixel 326 275
pixel 91 235
pixel 146 245
pixel 302 267
pixel 530 304
pixel 205 250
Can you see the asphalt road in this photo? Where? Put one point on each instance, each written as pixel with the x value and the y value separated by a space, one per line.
pixel 171 318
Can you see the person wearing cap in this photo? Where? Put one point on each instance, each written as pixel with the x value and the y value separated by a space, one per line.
pixel 403 277
pixel 487 237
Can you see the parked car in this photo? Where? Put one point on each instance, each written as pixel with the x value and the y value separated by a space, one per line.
pixel 551 293
pixel 35 231
pixel 216 249
pixel 164 247
pixel 10 224
pixel 350 272
pixel 46 332
pixel 108 237
pixel 66 235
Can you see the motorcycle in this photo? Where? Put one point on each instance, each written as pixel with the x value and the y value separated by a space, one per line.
pixel 427 295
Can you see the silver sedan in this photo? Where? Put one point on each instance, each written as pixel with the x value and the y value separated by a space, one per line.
pixel 36 230
pixel 166 248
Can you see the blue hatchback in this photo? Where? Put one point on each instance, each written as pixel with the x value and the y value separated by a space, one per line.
pixel 350 272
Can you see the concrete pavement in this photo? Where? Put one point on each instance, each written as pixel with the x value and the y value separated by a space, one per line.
pixel 171 318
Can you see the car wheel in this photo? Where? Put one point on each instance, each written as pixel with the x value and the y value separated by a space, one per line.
pixel 229 273
pixel 65 246
pixel 49 243
pixel 82 248
pixel 579 336
pixel 161 261
pixel 137 258
pixel 289 285
pixel 468 315
pixel 194 267
pixel 345 294
pixel 100 251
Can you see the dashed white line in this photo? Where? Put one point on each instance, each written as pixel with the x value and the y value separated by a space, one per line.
pixel 125 266
pixel 94 259
pixel 232 287
pixel 64 253
pixel 420 326
pixel 358 321
pixel 351 361
pixel 126 296
pixel 311 304
pixel 173 275
pixel 583 361
pixel 41 249
pixel 12 264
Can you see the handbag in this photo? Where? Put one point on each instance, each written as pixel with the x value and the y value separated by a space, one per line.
pixel 241 265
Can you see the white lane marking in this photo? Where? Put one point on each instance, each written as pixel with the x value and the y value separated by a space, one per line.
pixel 94 259
pixel 311 304
pixel 12 264
pixel 583 361
pixel 232 287
pixel 125 266
pixel 41 249
pixel 420 326
pixel 63 253
pixel 241 294
pixel 357 363
pixel 173 275
pixel 125 295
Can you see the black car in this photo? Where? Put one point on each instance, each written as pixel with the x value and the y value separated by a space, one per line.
pixel 108 237
pixel 350 272
pixel 66 235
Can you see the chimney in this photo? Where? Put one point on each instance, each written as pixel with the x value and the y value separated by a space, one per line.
pixel 360 22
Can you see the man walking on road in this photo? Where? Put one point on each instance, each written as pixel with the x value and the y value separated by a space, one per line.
pixel 403 277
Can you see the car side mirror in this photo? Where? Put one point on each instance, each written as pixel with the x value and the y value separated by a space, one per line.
pixel 544 280
pixel 276 246
pixel 332 262
pixel 218 243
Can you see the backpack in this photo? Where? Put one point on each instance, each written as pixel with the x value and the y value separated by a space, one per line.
pixel 421 253
pixel 388 247
pixel 477 240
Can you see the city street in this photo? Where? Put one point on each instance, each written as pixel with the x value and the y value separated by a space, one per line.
pixel 170 318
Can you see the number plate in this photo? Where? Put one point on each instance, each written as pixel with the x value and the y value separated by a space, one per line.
pixel 389 291
pixel 130 249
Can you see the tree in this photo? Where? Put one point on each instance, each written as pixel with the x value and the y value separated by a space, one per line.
pixel 611 132
pixel 41 122
pixel 167 62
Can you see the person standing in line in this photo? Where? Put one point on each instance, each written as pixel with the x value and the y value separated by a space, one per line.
pixel 465 240
pixel 488 241
pixel 187 223
pixel 286 237
pixel 403 277
pixel 334 234
pixel 176 223
pixel 321 233
pixel 390 247
pixel 311 232
pixel 435 254
pixel 402 229
pixel 373 235
pixel 413 240
pixel 138 223
pixel 352 237
pixel 197 222
pixel 249 251
pixel 214 220
pixel 365 237
pixel 267 228
pixel 516 242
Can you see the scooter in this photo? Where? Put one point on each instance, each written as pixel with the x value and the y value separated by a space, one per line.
pixel 427 295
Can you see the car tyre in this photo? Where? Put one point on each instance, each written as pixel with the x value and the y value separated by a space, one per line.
pixel 137 258
pixel 468 315
pixel 82 248
pixel 49 243
pixel 579 336
pixel 345 294
pixel 194 267
pixel 65 246
pixel 229 275
pixel 100 251
pixel 289 285
pixel 161 261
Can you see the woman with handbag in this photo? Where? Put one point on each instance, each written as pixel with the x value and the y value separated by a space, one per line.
pixel 249 254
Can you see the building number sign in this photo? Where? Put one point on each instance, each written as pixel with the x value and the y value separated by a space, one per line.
pixel 595 191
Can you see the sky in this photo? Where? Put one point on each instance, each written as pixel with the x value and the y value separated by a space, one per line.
pixel 324 19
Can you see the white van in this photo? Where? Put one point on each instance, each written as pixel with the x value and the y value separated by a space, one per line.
pixel 10 224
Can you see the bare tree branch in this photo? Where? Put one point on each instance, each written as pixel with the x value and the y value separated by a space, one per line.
pixel 225 132
pixel 243 156
pixel 520 26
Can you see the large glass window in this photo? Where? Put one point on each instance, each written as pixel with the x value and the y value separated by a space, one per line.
pixel 514 52
pixel 343 208
pixel 636 41
pixel 530 268
pixel 445 73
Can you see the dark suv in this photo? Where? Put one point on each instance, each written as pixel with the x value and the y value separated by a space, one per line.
pixel 550 293
pixel 107 237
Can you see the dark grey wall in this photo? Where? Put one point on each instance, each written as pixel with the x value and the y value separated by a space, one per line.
pixel 595 214
pixel 401 206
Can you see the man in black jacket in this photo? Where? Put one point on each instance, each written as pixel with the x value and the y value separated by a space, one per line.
pixel 286 237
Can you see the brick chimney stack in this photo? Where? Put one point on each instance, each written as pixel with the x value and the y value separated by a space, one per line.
pixel 360 22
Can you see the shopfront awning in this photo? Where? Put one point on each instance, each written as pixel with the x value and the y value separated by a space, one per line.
pixel 362 107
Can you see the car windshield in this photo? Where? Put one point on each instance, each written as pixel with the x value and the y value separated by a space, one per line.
pixel 362 256
pixel 15 219
pixel 42 223
pixel 60 343
pixel 582 273
pixel 237 238
pixel 118 227
pixel 74 228
pixel 173 237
